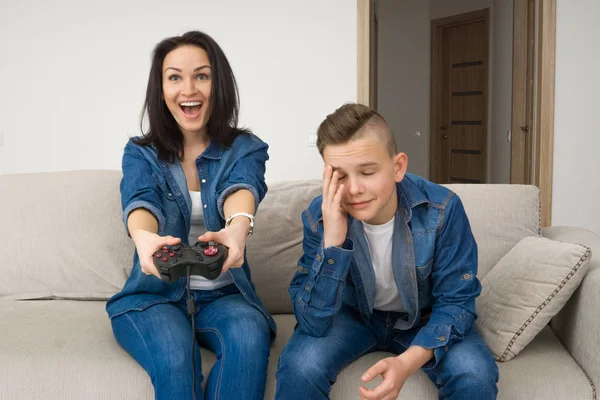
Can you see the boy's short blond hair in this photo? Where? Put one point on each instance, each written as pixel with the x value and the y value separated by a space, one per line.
pixel 352 121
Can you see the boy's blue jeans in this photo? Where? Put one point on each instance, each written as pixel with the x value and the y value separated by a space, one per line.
pixel 160 339
pixel 308 365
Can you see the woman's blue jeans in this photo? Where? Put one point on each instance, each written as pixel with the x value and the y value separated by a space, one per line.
pixel 160 339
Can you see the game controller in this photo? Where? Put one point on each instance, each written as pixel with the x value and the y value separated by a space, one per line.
pixel 204 259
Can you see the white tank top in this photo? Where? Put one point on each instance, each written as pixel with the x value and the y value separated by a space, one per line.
pixel 198 228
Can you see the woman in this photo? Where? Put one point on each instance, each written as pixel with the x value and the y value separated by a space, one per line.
pixel 193 176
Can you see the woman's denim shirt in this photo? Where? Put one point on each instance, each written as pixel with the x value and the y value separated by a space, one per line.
pixel 160 187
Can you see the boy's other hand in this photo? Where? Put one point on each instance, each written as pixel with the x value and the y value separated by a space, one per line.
pixel 335 219
pixel 394 373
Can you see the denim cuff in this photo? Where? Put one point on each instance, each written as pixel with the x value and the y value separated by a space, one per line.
pixel 234 188
pixel 333 261
pixel 436 338
pixel 147 206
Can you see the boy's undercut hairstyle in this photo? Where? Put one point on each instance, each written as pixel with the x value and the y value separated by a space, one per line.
pixel 352 121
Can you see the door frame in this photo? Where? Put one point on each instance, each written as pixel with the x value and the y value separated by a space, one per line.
pixel 435 79
pixel 543 108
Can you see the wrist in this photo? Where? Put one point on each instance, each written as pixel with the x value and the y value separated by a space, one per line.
pixel 241 221
pixel 136 234
pixel 335 242
pixel 414 358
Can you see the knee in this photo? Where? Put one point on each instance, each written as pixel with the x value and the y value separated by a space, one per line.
pixel 303 365
pixel 175 362
pixel 476 380
pixel 473 374
pixel 250 334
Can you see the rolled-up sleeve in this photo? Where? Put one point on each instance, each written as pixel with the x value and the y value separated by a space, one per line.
pixel 138 186
pixel 248 172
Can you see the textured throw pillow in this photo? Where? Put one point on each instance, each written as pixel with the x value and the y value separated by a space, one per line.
pixel 525 289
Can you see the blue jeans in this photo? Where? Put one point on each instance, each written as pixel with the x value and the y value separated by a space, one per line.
pixel 308 365
pixel 160 339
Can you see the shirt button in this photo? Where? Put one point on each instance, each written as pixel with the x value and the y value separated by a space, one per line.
pixel 307 288
pixel 203 180
pixel 330 261
pixel 169 194
pixel 205 206
pixel 318 258
pixel 442 338
pixel 466 276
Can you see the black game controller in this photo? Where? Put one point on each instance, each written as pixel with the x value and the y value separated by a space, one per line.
pixel 204 259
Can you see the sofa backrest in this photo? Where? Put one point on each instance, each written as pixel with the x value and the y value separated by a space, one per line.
pixel 61 233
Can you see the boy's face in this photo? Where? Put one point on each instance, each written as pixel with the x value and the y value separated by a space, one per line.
pixel 369 175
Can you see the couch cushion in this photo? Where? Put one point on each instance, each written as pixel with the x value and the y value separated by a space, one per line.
pixel 62 349
pixel 525 290
pixel 65 238
pixel 276 245
pixel 500 216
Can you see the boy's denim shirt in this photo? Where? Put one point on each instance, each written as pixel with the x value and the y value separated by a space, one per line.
pixel 160 187
pixel 434 262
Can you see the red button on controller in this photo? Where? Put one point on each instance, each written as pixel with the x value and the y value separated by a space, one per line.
pixel 211 251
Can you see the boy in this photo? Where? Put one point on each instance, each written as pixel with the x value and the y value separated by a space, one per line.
pixel 389 263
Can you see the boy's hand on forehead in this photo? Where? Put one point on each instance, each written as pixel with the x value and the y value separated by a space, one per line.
pixel 335 219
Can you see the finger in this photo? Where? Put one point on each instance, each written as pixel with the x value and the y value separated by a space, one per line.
pixel 366 393
pixel 210 236
pixel 337 200
pixel 149 269
pixel 377 369
pixel 234 259
pixel 171 240
pixel 380 392
pixel 326 181
pixel 333 186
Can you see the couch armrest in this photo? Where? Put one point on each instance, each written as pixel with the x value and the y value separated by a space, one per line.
pixel 577 323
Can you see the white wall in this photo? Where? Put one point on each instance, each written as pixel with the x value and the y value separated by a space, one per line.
pixel 576 185
pixel 403 77
pixel 501 106
pixel 73 74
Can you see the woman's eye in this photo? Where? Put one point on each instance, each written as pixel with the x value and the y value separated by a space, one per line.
pixel 368 173
pixel 173 77
pixel 202 77
pixel 341 177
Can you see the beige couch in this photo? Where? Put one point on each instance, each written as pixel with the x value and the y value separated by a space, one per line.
pixel 64 252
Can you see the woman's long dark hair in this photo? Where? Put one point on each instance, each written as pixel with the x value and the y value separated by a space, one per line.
pixel 163 131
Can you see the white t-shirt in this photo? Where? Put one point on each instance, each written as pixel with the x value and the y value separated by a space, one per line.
pixel 198 228
pixel 379 238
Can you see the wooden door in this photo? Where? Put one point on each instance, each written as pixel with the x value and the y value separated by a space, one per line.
pixel 459 98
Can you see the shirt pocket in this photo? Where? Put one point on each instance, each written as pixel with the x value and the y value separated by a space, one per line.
pixel 166 193
pixel 170 208
pixel 424 247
